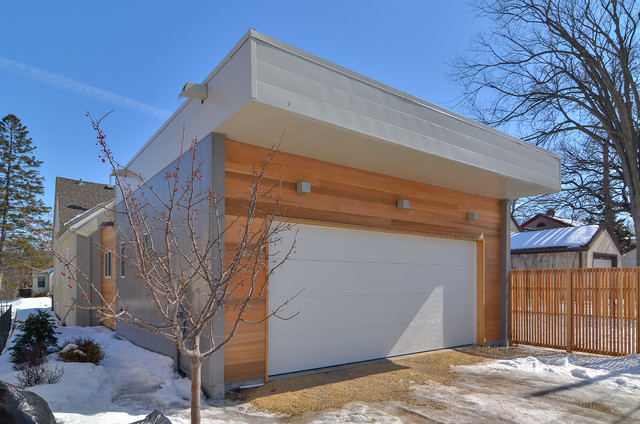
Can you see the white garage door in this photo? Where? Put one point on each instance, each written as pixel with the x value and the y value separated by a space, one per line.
pixel 368 295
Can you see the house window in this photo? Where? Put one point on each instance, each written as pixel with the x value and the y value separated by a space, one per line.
pixel 122 261
pixel 40 281
pixel 107 264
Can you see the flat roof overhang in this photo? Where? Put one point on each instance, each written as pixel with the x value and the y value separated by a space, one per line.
pixel 455 168
pixel 332 114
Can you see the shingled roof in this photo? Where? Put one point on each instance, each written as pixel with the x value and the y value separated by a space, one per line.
pixel 74 197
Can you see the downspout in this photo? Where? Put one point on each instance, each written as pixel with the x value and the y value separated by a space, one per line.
pixel 505 272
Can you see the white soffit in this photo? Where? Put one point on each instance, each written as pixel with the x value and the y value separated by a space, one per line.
pixel 309 138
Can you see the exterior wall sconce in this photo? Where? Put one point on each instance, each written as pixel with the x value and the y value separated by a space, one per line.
pixel 472 216
pixel 191 90
pixel 403 204
pixel 303 187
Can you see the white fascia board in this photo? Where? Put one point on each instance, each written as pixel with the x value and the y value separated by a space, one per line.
pixel 88 222
pixel 383 87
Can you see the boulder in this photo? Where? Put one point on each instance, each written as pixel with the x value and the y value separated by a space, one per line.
pixel 154 418
pixel 19 406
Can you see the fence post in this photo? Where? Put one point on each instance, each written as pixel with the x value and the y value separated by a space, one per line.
pixel 637 284
pixel 569 311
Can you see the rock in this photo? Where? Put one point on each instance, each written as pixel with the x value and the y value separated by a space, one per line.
pixel 19 406
pixel 154 418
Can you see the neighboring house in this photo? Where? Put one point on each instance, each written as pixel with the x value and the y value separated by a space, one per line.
pixel 546 222
pixel 629 259
pixel 515 227
pixel 586 246
pixel 402 241
pixel 40 281
pixel 84 234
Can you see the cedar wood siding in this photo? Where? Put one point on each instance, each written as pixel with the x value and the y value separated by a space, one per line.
pixel 348 196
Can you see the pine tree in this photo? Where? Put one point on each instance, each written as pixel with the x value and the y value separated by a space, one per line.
pixel 20 186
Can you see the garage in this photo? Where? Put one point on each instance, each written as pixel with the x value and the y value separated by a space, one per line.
pixel 367 294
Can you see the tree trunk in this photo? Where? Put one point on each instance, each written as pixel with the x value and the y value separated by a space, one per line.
pixel 196 384
pixel 609 216
pixel 635 208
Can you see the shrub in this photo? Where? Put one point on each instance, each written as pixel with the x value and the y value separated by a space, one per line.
pixel 30 356
pixel 82 350
pixel 38 333
pixel 39 374
pixel 42 294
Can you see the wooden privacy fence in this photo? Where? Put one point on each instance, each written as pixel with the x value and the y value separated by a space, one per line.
pixel 588 310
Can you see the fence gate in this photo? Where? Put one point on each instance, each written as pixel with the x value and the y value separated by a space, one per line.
pixel 588 310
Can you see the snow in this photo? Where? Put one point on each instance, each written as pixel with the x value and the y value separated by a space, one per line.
pixel 131 382
pixel 569 221
pixel 569 237
pixel 127 385
pixel 27 306
pixel 618 373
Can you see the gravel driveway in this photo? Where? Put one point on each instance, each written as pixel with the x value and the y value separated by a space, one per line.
pixel 441 387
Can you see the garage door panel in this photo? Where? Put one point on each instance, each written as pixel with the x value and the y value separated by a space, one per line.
pixel 366 247
pixel 369 295
pixel 340 346
pixel 327 312
pixel 312 277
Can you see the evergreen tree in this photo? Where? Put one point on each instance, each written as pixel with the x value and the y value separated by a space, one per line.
pixel 20 186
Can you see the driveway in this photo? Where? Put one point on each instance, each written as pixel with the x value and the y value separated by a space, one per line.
pixel 474 385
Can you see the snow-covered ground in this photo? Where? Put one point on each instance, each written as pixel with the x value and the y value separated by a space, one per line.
pixel 131 382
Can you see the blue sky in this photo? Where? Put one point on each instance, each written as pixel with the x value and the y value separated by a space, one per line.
pixel 60 59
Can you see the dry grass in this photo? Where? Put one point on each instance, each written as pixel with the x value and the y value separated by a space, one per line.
pixel 377 381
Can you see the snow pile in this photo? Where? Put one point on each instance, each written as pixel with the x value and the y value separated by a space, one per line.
pixel 570 237
pixel 614 372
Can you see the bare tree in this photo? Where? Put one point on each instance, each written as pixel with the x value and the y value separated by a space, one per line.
pixel 172 237
pixel 592 187
pixel 562 69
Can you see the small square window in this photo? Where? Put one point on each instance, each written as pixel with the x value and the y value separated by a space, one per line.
pixel 41 281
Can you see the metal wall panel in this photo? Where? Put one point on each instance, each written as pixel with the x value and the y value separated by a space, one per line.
pixel 134 295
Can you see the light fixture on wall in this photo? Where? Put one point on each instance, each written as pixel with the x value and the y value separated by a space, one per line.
pixel 191 90
pixel 303 187
pixel 403 204
pixel 472 216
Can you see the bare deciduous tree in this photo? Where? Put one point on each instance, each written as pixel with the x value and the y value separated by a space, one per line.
pixel 562 70
pixel 172 238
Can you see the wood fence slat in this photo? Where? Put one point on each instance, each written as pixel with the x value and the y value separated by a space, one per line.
pixel 590 310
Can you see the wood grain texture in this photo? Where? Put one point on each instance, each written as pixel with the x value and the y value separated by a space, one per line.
pixel 588 309
pixel 244 357
pixel 351 197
